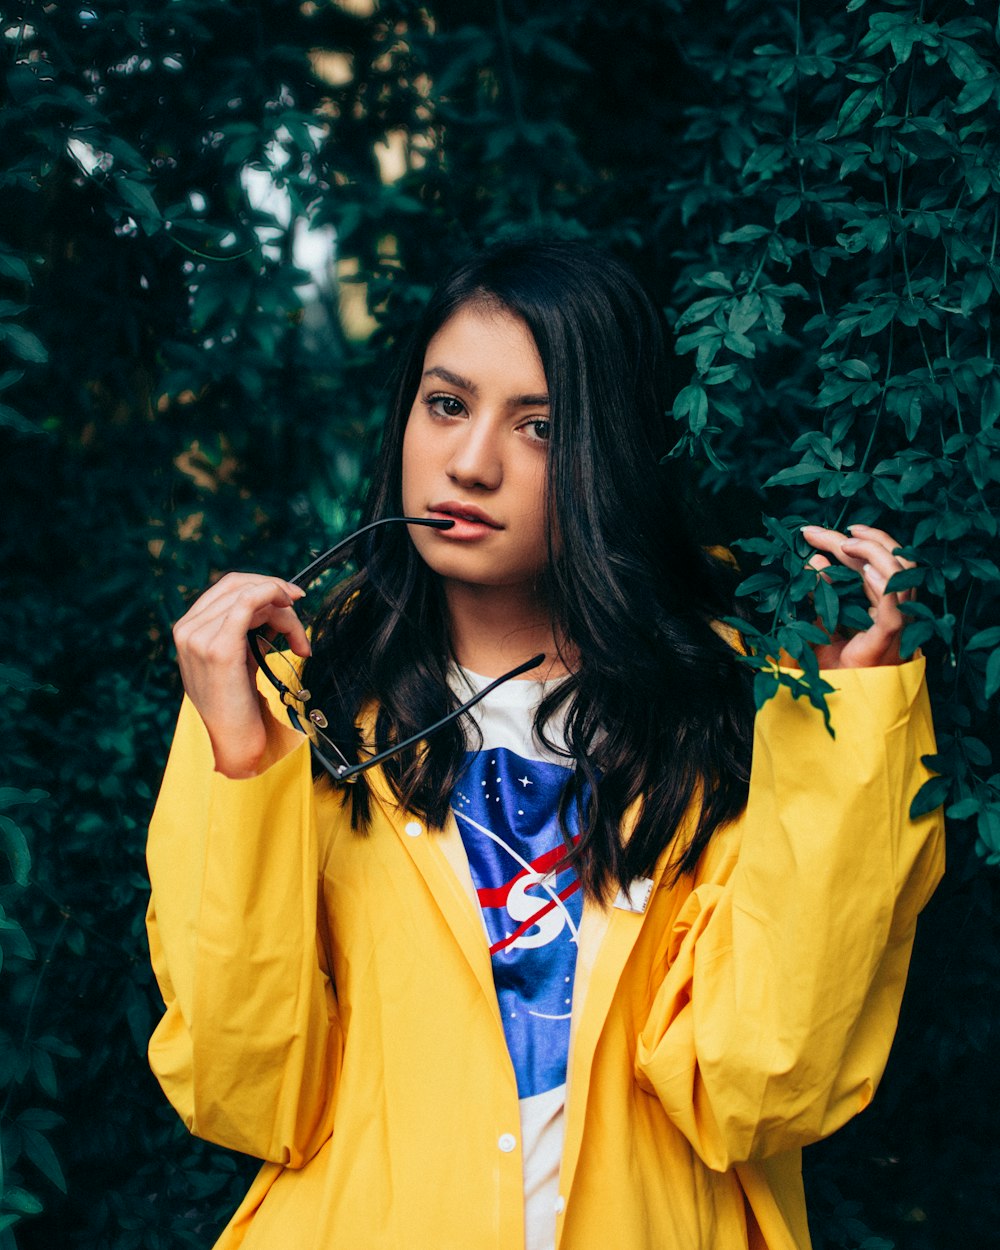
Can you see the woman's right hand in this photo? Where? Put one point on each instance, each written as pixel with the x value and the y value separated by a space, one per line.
pixel 218 670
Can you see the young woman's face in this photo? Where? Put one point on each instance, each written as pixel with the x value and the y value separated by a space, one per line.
pixel 474 450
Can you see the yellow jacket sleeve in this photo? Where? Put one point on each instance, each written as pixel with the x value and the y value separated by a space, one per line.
pixel 250 1047
pixel 774 1018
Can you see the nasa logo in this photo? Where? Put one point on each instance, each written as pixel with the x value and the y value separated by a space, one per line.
pixel 507 808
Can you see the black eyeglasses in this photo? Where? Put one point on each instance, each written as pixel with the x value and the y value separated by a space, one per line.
pixel 284 676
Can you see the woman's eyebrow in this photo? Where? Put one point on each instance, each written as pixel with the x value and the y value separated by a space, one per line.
pixel 456 379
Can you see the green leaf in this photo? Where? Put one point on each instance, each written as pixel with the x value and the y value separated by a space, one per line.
pixel 15 846
pixel 692 403
pixel 40 1119
pixel 20 1200
pixel 878 318
pixel 976 751
pixel 700 309
pixel 905 579
pixel 786 207
pixel 857 108
pixel 563 55
pixel 14 267
pixel 745 314
pixel 759 582
pixel 11 419
pixel 795 475
pixel 854 617
pixel 41 1154
pixel 137 1014
pixel 854 368
pixel 931 795
pixel 765 687
pixel 13 796
pixel 827 605
pixel 740 344
pixel 23 344
pixel 45 1072
pixel 992 675
pixel 964 61
pixel 13 939
pixel 849 484
pixel 137 196
pixel 915 635
pixel 687 342
pixel 714 279
pixel 989 637
pixel 983 569
pixel 745 234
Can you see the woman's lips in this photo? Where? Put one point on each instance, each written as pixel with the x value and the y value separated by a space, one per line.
pixel 470 522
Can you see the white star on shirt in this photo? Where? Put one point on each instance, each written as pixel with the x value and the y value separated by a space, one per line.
pixel 525 782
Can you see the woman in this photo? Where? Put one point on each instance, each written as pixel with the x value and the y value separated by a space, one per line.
pixel 569 970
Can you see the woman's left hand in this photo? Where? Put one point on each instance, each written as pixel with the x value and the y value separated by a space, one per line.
pixel 869 552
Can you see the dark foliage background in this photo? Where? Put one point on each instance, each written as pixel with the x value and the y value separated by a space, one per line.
pixel 811 190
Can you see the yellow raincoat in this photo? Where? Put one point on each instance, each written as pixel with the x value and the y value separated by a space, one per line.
pixel 331 1010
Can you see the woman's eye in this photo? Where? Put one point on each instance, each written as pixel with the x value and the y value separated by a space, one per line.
pixel 445 406
pixel 539 429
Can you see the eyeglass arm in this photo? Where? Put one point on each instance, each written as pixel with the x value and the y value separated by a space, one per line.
pixel 319 566
pixel 323 562
pixel 340 773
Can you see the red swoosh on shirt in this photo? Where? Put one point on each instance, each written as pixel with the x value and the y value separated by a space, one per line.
pixel 533 920
pixel 496 896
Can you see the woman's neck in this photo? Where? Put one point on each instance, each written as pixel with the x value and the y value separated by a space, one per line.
pixel 495 628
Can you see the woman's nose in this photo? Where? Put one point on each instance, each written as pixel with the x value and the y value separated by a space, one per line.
pixel 476 459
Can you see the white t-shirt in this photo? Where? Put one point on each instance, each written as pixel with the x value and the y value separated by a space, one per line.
pixel 506 806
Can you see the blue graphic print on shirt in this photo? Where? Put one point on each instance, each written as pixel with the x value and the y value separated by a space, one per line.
pixel 506 808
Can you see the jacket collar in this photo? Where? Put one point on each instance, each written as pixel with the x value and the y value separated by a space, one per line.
pixel 440 859
pixel 608 935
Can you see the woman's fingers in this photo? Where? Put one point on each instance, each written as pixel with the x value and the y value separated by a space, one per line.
pixel 238 603
pixel 887 541
pixel 881 555
pixel 886 616
pixel 863 545
pixel 217 666
pixel 878 557
pixel 251 589
pixel 869 551
pixel 818 562
pixel 831 541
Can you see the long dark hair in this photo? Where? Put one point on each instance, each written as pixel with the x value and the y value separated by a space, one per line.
pixel 658 710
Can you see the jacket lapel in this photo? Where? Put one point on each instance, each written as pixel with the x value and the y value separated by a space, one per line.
pixel 440 859
pixel 608 935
